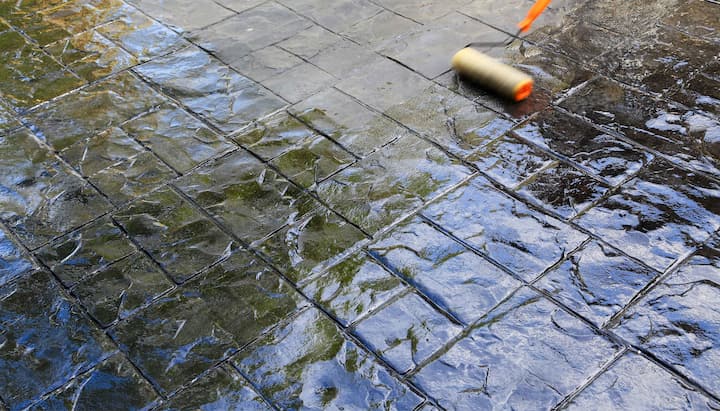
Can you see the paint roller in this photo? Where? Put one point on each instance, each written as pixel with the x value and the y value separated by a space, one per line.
pixel 491 74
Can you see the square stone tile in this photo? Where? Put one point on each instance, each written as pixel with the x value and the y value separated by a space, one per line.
pixel 264 64
pixel 348 122
pixel 94 109
pixel 310 42
pixel 210 88
pixel 337 16
pixel 34 25
pixel 141 36
pixel 383 84
pixel 380 29
pixel 299 82
pixel 430 48
pixel 309 364
pixel 312 162
pixel 525 241
pixel 115 381
pixel 117 291
pixel 41 198
pixel 510 161
pixel 702 92
pixel 175 234
pixel 528 354
pixel 563 190
pixel 175 340
pixel 422 11
pixel 598 152
pixel 456 123
pixel 100 151
pixel 353 288
pixel 676 323
pixel 29 77
pixel 311 244
pixel 637 383
pixel 504 15
pixel 391 183
pixel 44 343
pixel 623 18
pixel 273 136
pixel 453 277
pixel 220 387
pixel 417 332
pixel 82 252
pixel 247 197
pixel 79 16
pixel 666 127
pixel 585 43
pixel 696 18
pixel 176 137
pixel 123 182
pixel 596 282
pixel 13 260
pixel 658 216
pixel 91 56
pixel 184 15
pixel 344 59
pixel 248 31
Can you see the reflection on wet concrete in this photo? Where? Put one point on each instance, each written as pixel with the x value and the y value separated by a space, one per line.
pixel 296 204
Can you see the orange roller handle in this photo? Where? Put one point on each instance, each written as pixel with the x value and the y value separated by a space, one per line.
pixel 533 14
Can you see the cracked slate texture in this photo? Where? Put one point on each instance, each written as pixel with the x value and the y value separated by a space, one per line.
pixel 296 204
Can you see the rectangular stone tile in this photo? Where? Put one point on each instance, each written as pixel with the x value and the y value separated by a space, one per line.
pixel 338 16
pixel 79 16
pixel 380 29
pixel 138 175
pixel 117 291
pixel 417 332
pixel 677 321
pixel 344 59
pixel 28 76
pixel 240 5
pixel 247 197
pixel 299 82
pixel 248 31
pixel 222 387
pixel 141 36
pixel 696 18
pixel 422 11
pixel 585 43
pixel 184 15
pixel 8 121
pixel 453 277
pixel 666 127
pixel 78 254
pixel 91 56
pixel 45 340
pixel 637 383
pixel 353 288
pixel 658 216
pixel 311 244
pixel 510 161
pixel 564 190
pixel 273 136
pixel 176 137
pixel 100 151
pixel 430 48
pixel 93 109
pixel 41 198
pixel 527 354
pixel 175 234
pixel 525 241
pixel 598 152
pixel 266 63
pixel 115 382
pixel 702 92
pixel 14 262
pixel 34 24
pixel 504 15
pixel 346 121
pixel 391 183
pixel 210 88
pixel 312 162
pixel 624 18
pixel 309 43
pixel 383 84
pixel 596 282
pixel 456 123
pixel 309 364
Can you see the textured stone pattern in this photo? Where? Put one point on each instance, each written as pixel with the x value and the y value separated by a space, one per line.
pixel 296 204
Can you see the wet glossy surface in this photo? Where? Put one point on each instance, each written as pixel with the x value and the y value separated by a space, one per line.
pixel 297 204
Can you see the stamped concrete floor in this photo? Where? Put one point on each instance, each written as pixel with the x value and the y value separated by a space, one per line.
pixel 295 204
